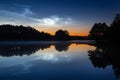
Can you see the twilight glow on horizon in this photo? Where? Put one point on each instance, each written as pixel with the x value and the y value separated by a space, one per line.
pixel 76 16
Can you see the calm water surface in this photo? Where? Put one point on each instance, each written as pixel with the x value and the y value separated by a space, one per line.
pixel 51 61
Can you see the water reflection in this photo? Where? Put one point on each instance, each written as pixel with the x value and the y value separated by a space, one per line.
pixel 50 61
pixel 104 56
pixel 20 49
pixel 62 46
pixel 57 61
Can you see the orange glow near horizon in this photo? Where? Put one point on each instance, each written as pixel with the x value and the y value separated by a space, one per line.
pixel 81 47
pixel 72 31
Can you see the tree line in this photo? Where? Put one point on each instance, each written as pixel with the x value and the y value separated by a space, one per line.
pixel 101 32
pixel 13 33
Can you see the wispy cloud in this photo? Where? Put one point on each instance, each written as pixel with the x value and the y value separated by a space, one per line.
pixel 22 14
pixel 27 12
pixel 54 21
pixel 9 17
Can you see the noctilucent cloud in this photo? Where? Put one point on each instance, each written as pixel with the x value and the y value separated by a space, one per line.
pixel 77 15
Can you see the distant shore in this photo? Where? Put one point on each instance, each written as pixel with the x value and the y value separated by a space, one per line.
pixel 48 42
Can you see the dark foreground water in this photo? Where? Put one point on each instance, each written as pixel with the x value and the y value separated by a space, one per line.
pixel 55 61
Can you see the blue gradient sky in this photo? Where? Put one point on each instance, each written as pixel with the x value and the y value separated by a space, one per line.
pixel 76 16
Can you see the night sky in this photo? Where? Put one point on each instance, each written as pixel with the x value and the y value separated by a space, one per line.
pixel 76 16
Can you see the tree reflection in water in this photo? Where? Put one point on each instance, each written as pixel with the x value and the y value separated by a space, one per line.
pixel 103 56
pixel 21 49
pixel 7 50
pixel 62 47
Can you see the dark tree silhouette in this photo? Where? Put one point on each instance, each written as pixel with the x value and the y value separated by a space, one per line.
pixel 62 35
pixel 108 35
pixel 11 32
pixel 115 29
pixel 98 30
pixel 17 33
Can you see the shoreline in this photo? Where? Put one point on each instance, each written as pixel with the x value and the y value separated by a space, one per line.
pixel 48 42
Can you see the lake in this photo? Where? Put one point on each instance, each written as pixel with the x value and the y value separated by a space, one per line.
pixel 55 61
